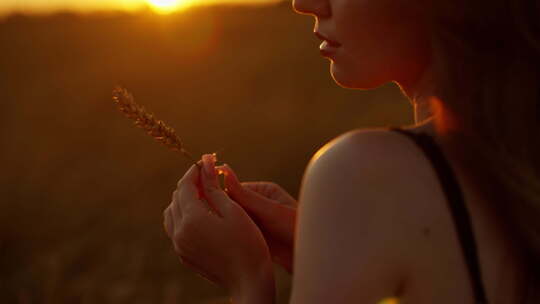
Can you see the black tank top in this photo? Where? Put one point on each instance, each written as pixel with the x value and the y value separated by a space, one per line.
pixel 456 205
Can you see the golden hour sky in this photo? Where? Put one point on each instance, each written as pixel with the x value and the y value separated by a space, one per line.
pixel 7 6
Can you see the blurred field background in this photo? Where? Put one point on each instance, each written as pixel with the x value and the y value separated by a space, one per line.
pixel 83 190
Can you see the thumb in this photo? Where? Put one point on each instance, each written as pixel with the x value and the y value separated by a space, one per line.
pixel 252 201
pixel 216 197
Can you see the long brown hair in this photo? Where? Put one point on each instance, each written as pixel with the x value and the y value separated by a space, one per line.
pixel 486 71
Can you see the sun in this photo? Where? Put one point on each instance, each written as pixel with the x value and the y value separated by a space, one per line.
pixel 168 6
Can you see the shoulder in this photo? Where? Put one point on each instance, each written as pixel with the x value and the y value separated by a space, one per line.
pixel 365 153
pixel 352 211
pixel 373 172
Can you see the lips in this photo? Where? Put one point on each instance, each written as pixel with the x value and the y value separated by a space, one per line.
pixel 325 38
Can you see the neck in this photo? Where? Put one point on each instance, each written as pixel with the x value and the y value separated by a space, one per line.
pixel 420 94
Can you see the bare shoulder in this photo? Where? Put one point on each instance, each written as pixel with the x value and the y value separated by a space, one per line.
pixel 389 174
pixel 378 152
pixel 353 202
pixel 384 171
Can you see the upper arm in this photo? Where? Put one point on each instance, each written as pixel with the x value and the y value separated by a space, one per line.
pixel 346 247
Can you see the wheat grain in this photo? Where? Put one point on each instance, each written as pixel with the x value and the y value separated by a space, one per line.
pixel 146 121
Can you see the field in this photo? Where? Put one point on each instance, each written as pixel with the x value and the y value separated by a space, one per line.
pixel 83 190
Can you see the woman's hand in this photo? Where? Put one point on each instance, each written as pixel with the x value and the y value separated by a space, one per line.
pixel 221 242
pixel 271 208
pixel 271 191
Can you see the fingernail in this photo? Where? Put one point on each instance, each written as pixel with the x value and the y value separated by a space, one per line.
pixel 209 161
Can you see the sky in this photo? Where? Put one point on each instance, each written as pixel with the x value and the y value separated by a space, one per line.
pixel 7 6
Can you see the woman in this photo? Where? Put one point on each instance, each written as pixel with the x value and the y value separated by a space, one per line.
pixel 444 211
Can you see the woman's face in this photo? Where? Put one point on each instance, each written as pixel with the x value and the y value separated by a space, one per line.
pixel 377 41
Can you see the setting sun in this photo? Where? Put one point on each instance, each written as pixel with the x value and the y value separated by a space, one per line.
pixel 168 6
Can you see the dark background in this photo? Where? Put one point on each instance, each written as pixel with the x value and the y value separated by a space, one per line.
pixel 83 190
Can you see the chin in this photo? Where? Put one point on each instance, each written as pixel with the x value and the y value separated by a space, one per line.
pixel 347 78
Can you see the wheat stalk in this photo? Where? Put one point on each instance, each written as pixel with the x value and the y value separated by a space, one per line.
pixel 146 121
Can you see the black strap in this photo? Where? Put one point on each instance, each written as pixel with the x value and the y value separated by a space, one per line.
pixel 457 206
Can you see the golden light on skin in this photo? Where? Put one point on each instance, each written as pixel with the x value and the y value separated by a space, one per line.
pixel 168 6
pixel 389 301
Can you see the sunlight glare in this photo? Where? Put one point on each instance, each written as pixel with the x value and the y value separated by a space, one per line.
pixel 168 6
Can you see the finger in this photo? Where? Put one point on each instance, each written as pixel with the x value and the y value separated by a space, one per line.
pixel 190 178
pixel 176 209
pixel 263 188
pixel 247 198
pixel 231 180
pixel 272 191
pixel 255 186
pixel 216 197
pixel 198 184
pixel 168 222
pixel 187 190
pixel 190 194
pixel 210 177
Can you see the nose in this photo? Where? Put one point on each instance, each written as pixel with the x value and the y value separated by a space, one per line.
pixel 318 8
